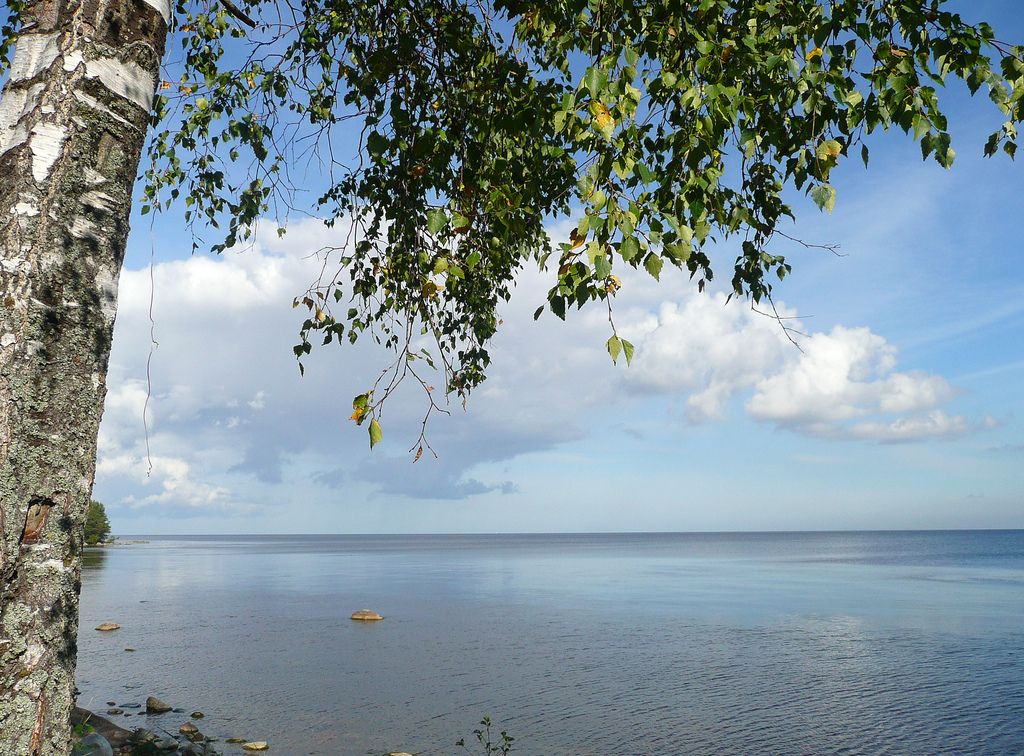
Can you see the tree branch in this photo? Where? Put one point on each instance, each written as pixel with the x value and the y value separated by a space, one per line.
pixel 238 13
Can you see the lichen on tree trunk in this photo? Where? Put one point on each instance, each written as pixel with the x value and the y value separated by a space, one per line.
pixel 73 121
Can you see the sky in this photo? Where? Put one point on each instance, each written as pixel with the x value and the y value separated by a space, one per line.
pixel 899 406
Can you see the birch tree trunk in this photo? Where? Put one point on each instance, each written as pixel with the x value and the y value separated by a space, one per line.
pixel 73 120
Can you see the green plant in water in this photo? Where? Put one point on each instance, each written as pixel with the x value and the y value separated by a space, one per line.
pixel 502 745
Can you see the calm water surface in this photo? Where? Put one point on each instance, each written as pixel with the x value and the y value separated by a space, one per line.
pixel 588 645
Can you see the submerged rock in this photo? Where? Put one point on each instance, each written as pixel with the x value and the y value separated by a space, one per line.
pixel 366 615
pixel 156 706
pixel 197 715
pixel 94 744
pixel 108 626
pixel 258 745
pixel 199 749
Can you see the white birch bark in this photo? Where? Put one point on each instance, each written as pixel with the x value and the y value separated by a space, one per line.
pixel 73 120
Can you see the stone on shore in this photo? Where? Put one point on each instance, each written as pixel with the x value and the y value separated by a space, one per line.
pixel 258 745
pixel 118 737
pixel 156 706
pixel 106 626
pixel 366 615
pixel 97 745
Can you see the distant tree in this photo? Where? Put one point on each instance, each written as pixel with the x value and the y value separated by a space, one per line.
pixel 97 526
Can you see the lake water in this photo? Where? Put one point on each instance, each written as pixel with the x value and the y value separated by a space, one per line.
pixel 588 645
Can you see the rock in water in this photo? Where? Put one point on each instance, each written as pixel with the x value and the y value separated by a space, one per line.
pixel 108 626
pixel 95 744
pixel 259 745
pixel 166 743
pixel 116 736
pixel 365 615
pixel 156 706
pixel 188 729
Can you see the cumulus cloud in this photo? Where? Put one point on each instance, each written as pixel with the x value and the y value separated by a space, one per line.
pixel 234 428
pixel 708 349
pixel 821 386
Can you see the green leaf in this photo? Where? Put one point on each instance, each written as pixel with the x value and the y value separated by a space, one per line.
pixel 630 248
pixel 921 126
pixel 653 264
pixel 595 80
pixel 628 349
pixel 614 348
pixel 436 220
pixel 824 197
pixel 376 434
pixel 602 267
pixel 558 307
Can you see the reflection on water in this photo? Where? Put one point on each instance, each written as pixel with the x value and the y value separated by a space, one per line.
pixel 901 643
pixel 93 559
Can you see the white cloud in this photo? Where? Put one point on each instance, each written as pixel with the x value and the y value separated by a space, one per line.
pixel 847 374
pixel 234 428
pixel 712 351
pixel 707 348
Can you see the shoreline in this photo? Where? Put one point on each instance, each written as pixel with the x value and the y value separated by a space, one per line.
pixel 142 741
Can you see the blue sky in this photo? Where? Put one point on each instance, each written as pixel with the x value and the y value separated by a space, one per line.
pixel 904 408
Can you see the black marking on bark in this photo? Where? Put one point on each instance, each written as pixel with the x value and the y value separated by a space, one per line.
pixel 35 520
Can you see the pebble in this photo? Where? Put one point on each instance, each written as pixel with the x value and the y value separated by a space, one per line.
pixel 115 711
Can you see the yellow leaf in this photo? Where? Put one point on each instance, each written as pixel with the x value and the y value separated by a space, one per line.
pixel 603 116
pixel 816 52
